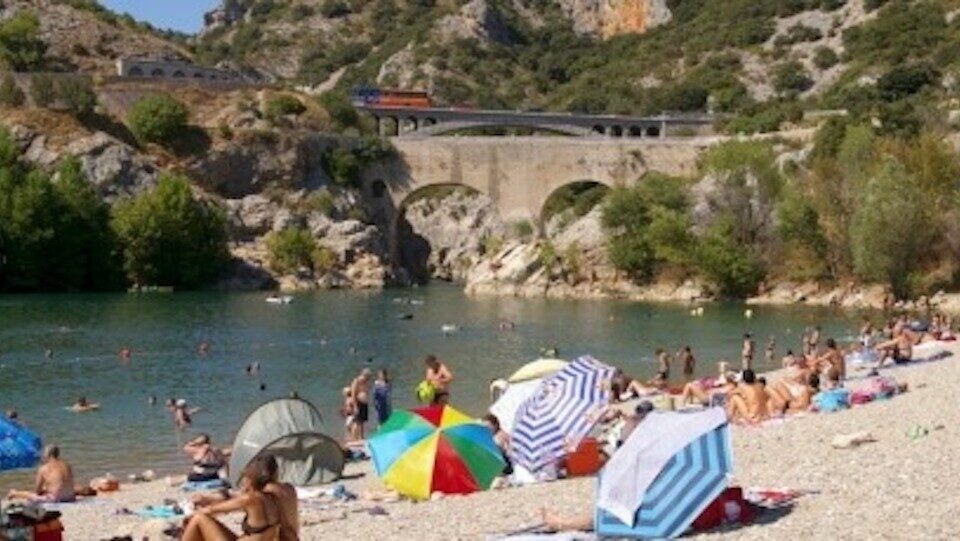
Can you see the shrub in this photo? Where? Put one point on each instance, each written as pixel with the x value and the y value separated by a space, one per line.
pixel 76 95
pixel 321 202
pixel 791 78
pixel 20 45
pixel 170 238
pixel 43 90
pixel 825 58
pixel 798 33
pixel 324 259
pixel 282 105
pixel 290 250
pixel 334 8
pixel 10 93
pixel 341 111
pixel 157 118
pixel 522 229
pixel 342 166
pixel 903 81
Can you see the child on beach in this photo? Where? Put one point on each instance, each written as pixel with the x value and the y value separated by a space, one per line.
pixel 381 396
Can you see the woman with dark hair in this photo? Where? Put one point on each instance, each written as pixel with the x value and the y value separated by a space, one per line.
pixel 263 514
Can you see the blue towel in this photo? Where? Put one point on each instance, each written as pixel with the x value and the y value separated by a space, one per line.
pixel 160 511
pixel 214 484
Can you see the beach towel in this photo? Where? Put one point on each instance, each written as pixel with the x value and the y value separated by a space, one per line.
pixel 160 511
pixel 832 400
pixel 213 484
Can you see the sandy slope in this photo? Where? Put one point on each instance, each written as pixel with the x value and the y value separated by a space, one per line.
pixel 892 489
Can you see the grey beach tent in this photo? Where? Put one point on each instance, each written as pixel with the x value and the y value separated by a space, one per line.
pixel 290 429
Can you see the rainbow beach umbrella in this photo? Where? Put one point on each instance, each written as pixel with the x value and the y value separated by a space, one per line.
pixel 435 449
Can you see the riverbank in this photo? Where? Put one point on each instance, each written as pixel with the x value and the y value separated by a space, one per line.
pixel 895 488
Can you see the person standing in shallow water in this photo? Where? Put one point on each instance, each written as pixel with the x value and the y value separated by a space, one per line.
pixel 381 396
pixel 687 361
pixel 746 354
pixel 440 377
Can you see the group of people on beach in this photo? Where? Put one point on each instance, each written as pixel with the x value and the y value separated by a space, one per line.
pixel 355 408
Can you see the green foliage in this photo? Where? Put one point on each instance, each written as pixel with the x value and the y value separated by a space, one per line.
pixel 580 198
pixel 290 250
pixel 791 78
pixel 829 137
pixel 522 229
pixel 334 8
pixel 157 118
pixel 10 93
pixel 282 105
pixel 324 259
pixel 341 111
pixel 43 90
pixel 76 94
pixel 798 33
pixel 321 202
pixel 903 81
pixel 900 32
pixel 170 238
pixel 342 166
pixel 890 229
pixel 733 267
pixel 20 45
pixel 825 58
pixel 54 233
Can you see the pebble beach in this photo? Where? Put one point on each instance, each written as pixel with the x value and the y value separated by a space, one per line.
pixel 897 487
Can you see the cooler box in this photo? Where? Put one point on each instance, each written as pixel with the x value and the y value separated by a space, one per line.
pixel 585 460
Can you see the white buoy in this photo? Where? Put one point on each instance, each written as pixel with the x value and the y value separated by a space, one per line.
pixel 748 313
pixel 699 310
pixel 693 312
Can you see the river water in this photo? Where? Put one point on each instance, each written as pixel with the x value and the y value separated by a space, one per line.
pixel 314 346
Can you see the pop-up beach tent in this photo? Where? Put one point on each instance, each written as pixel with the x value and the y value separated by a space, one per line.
pixel 291 430
pixel 19 447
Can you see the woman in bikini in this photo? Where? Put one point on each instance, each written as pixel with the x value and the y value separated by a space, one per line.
pixel 263 514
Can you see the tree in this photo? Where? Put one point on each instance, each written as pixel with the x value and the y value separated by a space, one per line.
pixel 20 45
pixel 891 228
pixel 157 118
pixel 10 94
pixel 342 166
pixel 733 267
pixel 282 105
pixel 791 78
pixel 168 237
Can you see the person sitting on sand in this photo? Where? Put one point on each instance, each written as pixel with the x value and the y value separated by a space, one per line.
pixel 54 480
pixel 501 438
pixel 285 494
pixel 791 395
pixel 899 348
pixel 440 377
pixel 208 461
pixel 832 358
pixel 83 406
pixel 263 519
pixel 748 402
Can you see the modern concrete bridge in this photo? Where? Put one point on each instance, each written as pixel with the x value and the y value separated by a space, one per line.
pixel 410 121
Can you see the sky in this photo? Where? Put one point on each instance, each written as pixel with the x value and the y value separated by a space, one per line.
pixel 183 15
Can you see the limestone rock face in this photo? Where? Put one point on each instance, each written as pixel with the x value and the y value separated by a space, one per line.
pixel 454 228
pixel 475 20
pixel 608 18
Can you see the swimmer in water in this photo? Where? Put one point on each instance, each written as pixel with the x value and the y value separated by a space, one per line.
pixel 152 400
pixel 48 353
pixel 83 406
pixel 204 348
pixel 253 368
pixel 125 354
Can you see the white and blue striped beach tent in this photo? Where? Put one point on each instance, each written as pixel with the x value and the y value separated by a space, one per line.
pixel 668 471
pixel 560 413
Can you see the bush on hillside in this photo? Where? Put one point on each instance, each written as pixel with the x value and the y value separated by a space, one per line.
pixel 10 93
pixel 282 105
pixel 290 250
pixel 334 8
pixel 791 78
pixel 825 58
pixel 43 90
pixel 20 45
pixel 76 95
pixel 170 238
pixel 157 118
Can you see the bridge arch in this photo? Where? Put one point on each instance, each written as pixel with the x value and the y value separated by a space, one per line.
pixel 135 71
pixel 616 131
pixel 157 72
pixel 653 131
pixel 179 74
pixel 577 196
pixel 635 131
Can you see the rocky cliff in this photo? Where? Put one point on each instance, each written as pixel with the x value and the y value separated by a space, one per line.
pixel 609 18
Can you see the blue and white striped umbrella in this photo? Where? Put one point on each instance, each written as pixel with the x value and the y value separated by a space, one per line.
pixel 561 413
pixel 19 447
pixel 686 477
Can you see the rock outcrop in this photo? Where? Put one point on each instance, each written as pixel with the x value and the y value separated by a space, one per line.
pixel 608 18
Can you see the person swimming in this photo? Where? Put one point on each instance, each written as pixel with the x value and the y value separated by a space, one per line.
pixel 83 406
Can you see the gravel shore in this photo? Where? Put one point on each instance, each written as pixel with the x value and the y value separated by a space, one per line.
pixel 895 488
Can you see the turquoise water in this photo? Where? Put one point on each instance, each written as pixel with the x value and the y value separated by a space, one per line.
pixel 313 346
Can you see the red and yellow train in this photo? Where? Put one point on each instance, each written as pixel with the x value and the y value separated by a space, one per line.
pixel 389 97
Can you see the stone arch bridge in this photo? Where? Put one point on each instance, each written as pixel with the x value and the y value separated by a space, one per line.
pixel 519 173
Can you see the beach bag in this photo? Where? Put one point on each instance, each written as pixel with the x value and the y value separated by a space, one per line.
pixel 426 392
pixel 832 400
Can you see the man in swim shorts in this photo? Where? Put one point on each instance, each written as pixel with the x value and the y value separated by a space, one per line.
pixel 54 480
